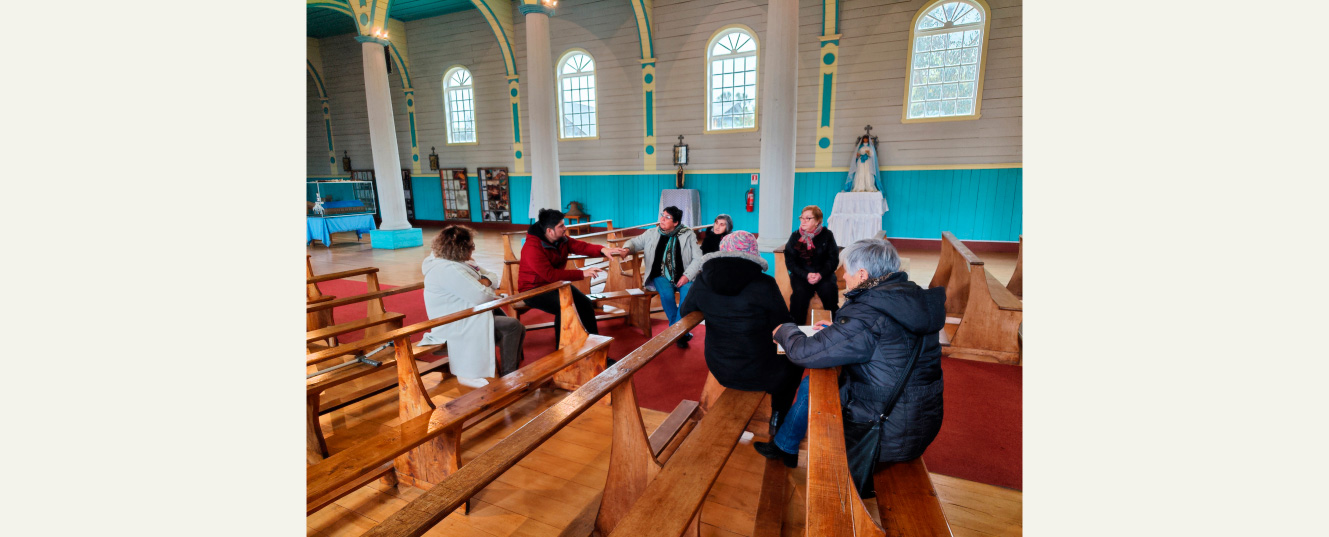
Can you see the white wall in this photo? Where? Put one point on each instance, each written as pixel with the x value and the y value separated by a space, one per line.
pixel 871 75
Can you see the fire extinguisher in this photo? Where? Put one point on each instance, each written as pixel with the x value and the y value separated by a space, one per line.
pixel 751 198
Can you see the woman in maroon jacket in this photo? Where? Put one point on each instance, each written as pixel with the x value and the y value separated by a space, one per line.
pixel 542 260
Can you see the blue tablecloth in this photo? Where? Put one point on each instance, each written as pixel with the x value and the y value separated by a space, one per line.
pixel 322 228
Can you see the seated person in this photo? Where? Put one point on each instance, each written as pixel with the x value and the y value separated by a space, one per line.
pixel 742 305
pixel 542 260
pixel 671 259
pixel 873 337
pixel 721 228
pixel 811 256
pixel 454 282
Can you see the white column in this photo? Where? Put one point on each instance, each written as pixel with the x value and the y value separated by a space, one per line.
pixel 383 138
pixel 541 98
pixel 779 94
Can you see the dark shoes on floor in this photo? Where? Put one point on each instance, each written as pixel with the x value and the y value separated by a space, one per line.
pixel 770 451
pixel 683 341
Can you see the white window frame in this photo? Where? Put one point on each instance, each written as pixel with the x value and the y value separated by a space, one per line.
pixel 448 100
pixel 756 74
pixel 559 77
pixel 915 33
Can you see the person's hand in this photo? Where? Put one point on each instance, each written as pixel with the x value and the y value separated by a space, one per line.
pixel 682 281
pixel 486 282
pixel 591 272
pixel 814 277
pixel 776 331
pixel 821 324
pixel 614 251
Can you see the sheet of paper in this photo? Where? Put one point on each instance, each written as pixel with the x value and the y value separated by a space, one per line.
pixel 636 292
pixel 807 331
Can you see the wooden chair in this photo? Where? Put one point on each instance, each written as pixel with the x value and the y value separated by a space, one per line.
pixel 656 484
pixel 425 447
pixel 1016 285
pixel 906 499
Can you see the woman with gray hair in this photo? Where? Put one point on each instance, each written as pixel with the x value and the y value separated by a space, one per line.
pixel 720 229
pixel 873 337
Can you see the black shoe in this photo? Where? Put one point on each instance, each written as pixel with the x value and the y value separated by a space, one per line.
pixel 770 451
pixel 683 341
pixel 776 420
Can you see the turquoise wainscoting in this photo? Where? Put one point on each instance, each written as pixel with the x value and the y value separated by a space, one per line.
pixel 427 193
pixel 981 205
pixel 633 199
pixel 519 192
pixel 473 189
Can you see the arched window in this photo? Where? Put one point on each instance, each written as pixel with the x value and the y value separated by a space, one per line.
pixel 946 61
pixel 576 95
pixel 460 99
pixel 731 80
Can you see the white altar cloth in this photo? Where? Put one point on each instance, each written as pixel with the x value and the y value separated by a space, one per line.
pixel 686 199
pixel 856 216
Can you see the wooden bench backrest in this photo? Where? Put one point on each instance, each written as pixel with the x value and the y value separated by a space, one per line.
pixel 429 509
pixel 953 271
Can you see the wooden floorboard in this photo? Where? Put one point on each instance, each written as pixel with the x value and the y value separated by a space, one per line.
pixel 550 487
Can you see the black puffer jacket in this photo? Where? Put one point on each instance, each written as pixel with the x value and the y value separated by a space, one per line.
pixel 825 256
pixel 742 305
pixel 872 337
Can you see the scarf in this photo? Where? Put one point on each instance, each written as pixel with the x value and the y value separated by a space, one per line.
pixel 669 265
pixel 806 237
pixel 871 282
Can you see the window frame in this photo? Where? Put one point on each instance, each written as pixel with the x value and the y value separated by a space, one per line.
pixel 558 92
pixel 756 86
pixel 447 112
pixel 982 61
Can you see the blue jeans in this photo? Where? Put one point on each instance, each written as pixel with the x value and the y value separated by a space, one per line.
pixel 666 289
pixel 795 425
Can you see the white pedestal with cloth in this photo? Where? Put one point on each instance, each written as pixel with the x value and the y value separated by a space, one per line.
pixel 856 216
pixel 687 200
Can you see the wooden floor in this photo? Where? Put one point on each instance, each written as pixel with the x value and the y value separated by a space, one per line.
pixel 552 485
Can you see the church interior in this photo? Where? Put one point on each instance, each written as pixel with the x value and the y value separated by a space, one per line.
pixel 896 119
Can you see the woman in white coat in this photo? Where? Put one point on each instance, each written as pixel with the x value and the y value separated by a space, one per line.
pixel 454 282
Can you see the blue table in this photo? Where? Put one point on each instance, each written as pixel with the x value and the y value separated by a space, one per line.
pixel 322 228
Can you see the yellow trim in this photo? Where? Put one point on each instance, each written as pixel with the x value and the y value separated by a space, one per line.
pixel 826 38
pixel 706 76
pixel 447 125
pixel 823 156
pixel 921 167
pixel 558 92
pixel 982 63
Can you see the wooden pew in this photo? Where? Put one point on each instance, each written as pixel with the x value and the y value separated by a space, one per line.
pixel 653 488
pixel 953 271
pixel 425 447
pixel 906 499
pixel 990 327
pixel 377 319
pixel 1016 285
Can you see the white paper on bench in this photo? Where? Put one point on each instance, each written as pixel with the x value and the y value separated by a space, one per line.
pixel 636 292
pixel 807 331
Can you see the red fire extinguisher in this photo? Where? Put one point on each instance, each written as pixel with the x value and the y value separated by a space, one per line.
pixel 751 198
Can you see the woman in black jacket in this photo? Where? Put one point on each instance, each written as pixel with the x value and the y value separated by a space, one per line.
pixel 719 230
pixel 873 337
pixel 811 256
pixel 742 305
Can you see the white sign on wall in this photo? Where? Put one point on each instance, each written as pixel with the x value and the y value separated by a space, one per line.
pixel 754 178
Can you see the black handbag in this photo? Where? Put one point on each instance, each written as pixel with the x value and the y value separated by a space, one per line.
pixel 862 440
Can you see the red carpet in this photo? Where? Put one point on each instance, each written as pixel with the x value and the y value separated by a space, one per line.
pixel 980 439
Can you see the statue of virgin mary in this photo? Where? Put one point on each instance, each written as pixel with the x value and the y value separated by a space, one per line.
pixel 863 170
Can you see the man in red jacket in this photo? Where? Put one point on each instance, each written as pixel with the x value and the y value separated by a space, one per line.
pixel 542 260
